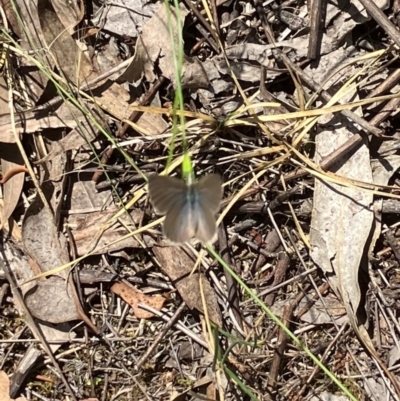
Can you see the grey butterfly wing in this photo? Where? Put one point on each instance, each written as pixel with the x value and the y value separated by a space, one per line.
pixel 209 198
pixel 164 192
pixel 210 192
pixel 206 226
pixel 186 218
pixel 179 222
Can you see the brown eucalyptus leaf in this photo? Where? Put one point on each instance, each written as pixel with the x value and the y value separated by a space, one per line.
pixel 52 301
pixel 65 116
pixel 89 236
pixel 24 269
pixel 5 388
pixel 74 65
pixel 11 159
pixel 178 266
pixel 132 296
pixel 123 19
pixel 70 13
pixel 342 216
pixel 76 138
pixel 31 38
pixel 154 47
pixel 52 298
pixel 88 215
pixel 41 239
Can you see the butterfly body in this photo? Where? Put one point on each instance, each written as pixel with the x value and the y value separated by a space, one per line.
pixel 189 209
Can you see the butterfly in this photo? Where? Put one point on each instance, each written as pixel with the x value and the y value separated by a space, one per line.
pixel 189 209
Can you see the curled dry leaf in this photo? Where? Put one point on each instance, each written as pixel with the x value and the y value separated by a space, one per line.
pixel 48 249
pixel 133 296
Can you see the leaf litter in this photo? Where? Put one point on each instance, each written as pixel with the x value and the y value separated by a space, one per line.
pixel 309 237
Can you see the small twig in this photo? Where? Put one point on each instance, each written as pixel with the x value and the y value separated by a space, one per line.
pixel 269 34
pixel 285 283
pixel 327 97
pixel 197 13
pixel 392 241
pixel 386 85
pixel 282 341
pixel 231 284
pixel 279 275
pixel 378 15
pixel 215 16
pixel 299 395
pixel 207 37
pixel 160 336
pixel 321 291
pixel 387 110
pixel 328 161
pixel 76 288
pixel 179 325
pixel 392 105
pixel 317 20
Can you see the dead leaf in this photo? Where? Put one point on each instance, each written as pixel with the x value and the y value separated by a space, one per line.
pixel 89 237
pixel 48 249
pixel 330 41
pixel 75 139
pixel 125 17
pixel 342 216
pixel 5 388
pixel 178 265
pixel 382 170
pixel 88 214
pixel 154 46
pixel 51 301
pixel 11 226
pixel 69 58
pixel 243 71
pixel 65 116
pixel 23 271
pixel 133 296
pixel 70 16
pixel 30 36
pixel 341 220
pixel 10 157
pixel 41 238
pixel 56 334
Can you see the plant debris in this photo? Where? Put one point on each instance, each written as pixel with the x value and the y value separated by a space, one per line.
pixel 295 105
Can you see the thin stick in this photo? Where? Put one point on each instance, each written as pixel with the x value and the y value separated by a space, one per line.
pixel 317 20
pixel 378 15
